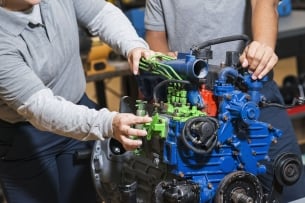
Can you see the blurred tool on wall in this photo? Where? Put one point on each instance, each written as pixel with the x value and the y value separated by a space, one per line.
pixel 284 8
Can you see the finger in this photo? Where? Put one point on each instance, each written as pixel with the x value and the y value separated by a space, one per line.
pixel 250 54
pixel 147 54
pixel 172 54
pixel 243 60
pixel 135 62
pixel 128 131
pixel 269 66
pixel 267 62
pixel 245 63
pixel 131 119
pixel 125 120
pixel 135 57
pixel 141 119
pixel 262 74
pixel 261 66
pixel 130 144
pixel 257 59
pixel 136 132
pixel 251 63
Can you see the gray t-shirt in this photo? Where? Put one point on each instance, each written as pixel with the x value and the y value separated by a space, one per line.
pixel 192 22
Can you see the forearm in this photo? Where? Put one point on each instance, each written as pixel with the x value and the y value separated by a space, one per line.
pixel 118 32
pixel 265 21
pixel 55 114
pixel 157 41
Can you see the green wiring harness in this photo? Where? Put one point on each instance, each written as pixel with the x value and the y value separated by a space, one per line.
pixel 154 65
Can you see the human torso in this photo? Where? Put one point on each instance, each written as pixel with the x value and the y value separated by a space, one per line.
pixel 192 22
pixel 44 49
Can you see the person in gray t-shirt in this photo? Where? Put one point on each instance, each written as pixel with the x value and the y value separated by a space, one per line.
pixel 42 96
pixel 176 25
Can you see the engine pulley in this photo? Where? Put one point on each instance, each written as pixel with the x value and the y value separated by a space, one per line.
pixel 288 168
pixel 239 186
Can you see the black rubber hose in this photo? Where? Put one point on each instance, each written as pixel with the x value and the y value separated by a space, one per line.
pixel 220 40
pixel 210 143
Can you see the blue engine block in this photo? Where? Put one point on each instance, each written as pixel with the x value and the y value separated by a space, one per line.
pixel 242 141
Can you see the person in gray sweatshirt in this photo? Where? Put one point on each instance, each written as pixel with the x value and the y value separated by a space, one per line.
pixel 45 115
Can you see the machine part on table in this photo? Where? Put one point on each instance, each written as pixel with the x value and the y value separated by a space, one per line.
pixel 205 142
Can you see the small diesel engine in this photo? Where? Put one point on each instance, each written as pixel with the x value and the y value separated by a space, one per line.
pixel 205 143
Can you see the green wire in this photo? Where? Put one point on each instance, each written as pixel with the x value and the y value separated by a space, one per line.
pixel 154 65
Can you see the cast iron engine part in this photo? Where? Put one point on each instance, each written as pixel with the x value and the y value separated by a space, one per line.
pixel 189 155
pixel 239 186
pixel 177 191
pixel 107 159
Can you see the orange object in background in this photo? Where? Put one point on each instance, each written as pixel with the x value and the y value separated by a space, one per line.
pixel 209 100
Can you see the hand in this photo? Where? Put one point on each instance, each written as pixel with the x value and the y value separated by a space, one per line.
pixel 259 58
pixel 123 132
pixel 135 55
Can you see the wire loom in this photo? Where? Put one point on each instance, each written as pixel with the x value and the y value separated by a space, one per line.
pixel 155 66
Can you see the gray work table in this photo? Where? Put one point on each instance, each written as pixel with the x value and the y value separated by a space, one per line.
pixel 292 25
pixel 291 38
pixel 302 200
pixel 121 68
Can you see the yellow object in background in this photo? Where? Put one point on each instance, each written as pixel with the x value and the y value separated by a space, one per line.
pixel 99 50
pixel 111 1
pixel 97 59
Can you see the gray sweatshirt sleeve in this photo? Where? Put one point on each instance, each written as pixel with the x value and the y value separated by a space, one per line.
pixel 55 114
pixel 114 28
